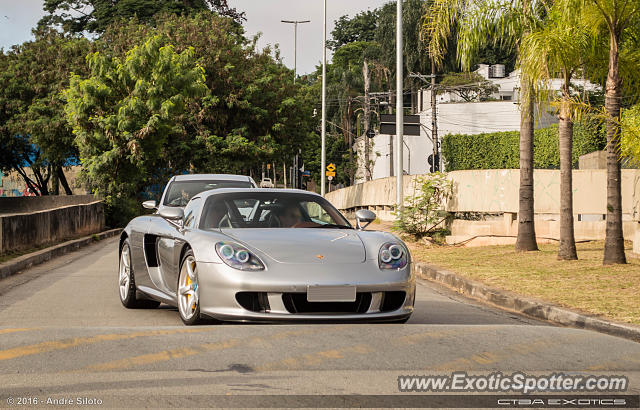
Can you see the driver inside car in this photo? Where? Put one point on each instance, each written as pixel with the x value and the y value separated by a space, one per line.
pixel 290 216
pixel 217 211
pixel 181 200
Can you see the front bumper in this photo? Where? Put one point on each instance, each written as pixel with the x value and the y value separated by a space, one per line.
pixel 219 284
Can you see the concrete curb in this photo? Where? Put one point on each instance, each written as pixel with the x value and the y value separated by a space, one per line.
pixel 21 263
pixel 527 306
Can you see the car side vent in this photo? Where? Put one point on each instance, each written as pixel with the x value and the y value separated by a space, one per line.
pixel 150 250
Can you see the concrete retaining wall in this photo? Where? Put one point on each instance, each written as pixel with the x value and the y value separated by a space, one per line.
pixel 26 204
pixel 495 192
pixel 25 230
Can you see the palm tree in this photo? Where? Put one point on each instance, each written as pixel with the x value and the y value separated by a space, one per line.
pixel 558 46
pixel 479 23
pixel 615 18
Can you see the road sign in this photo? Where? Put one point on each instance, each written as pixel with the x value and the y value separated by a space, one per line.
pixel 411 124
pixel 306 173
pixel 331 167
pixel 330 174
pixel 330 178
pixel 371 133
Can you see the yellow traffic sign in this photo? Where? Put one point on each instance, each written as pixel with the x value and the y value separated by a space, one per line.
pixel 330 174
pixel 331 167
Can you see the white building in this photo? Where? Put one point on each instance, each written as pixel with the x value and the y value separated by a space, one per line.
pixel 454 116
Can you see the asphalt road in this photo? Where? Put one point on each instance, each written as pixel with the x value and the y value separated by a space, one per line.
pixel 64 334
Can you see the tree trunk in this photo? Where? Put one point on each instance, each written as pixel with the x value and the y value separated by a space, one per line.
pixel 350 139
pixel 367 115
pixel 31 185
pixel 41 180
pixel 567 250
pixel 390 111
pixel 614 240
pixel 55 184
pixel 526 240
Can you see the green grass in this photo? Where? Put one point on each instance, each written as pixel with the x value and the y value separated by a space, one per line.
pixel 611 291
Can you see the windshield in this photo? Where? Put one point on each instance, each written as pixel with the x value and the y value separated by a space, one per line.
pixel 270 210
pixel 180 192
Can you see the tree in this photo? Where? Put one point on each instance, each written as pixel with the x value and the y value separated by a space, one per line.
pixel 355 71
pixel 425 212
pixel 415 50
pixel 361 27
pixel 630 139
pixel 619 20
pixel 559 46
pixel 470 86
pixel 36 72
pixel 78 16
pixel 479 23
pixel 125 113
pixel 250 113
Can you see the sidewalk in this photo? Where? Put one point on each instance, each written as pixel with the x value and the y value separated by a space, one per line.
pixel 20 263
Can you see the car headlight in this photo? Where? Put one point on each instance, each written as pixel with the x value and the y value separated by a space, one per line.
pixel 238 257
pixel 392 256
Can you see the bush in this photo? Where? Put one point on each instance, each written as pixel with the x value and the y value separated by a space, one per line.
pixel 500 150
pixel 120 210
pixel 425 210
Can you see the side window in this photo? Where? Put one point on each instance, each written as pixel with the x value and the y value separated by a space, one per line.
pixel 190 212
pixel 317 213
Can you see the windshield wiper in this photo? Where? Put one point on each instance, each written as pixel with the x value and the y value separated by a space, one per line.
pixel 334 226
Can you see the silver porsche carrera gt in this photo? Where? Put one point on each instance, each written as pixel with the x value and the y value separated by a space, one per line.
pixel 264 255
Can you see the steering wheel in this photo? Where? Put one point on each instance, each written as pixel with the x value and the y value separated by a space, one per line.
pixel 273 221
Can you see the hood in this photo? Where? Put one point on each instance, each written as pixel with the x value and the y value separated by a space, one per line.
pixel 303 245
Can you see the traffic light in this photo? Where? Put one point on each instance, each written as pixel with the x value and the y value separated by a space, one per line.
pixel 434 167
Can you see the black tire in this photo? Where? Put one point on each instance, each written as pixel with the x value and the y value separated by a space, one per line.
pixel 131 301
pixel 196 319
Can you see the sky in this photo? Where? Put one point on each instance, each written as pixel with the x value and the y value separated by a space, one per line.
pixel 18 17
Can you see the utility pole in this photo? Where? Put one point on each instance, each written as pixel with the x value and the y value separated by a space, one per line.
pixel 350 136
pixel 434 122
pixel 367 119
pixel 399 109
pixel 323 161
pixel 295 43
pixel 391 170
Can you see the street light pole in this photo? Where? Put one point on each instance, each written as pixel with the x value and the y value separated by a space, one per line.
pixel 399 109
pixel 323 162
pixel 295 43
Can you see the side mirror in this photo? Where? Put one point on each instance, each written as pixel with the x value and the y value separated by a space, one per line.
pixel 172 214
pixel 151 204
pixel 366 216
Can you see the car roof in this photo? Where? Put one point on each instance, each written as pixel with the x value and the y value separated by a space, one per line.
pixel 220 177
pixel 220 191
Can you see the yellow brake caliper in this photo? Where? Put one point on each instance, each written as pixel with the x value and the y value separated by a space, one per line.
pixel 188 296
